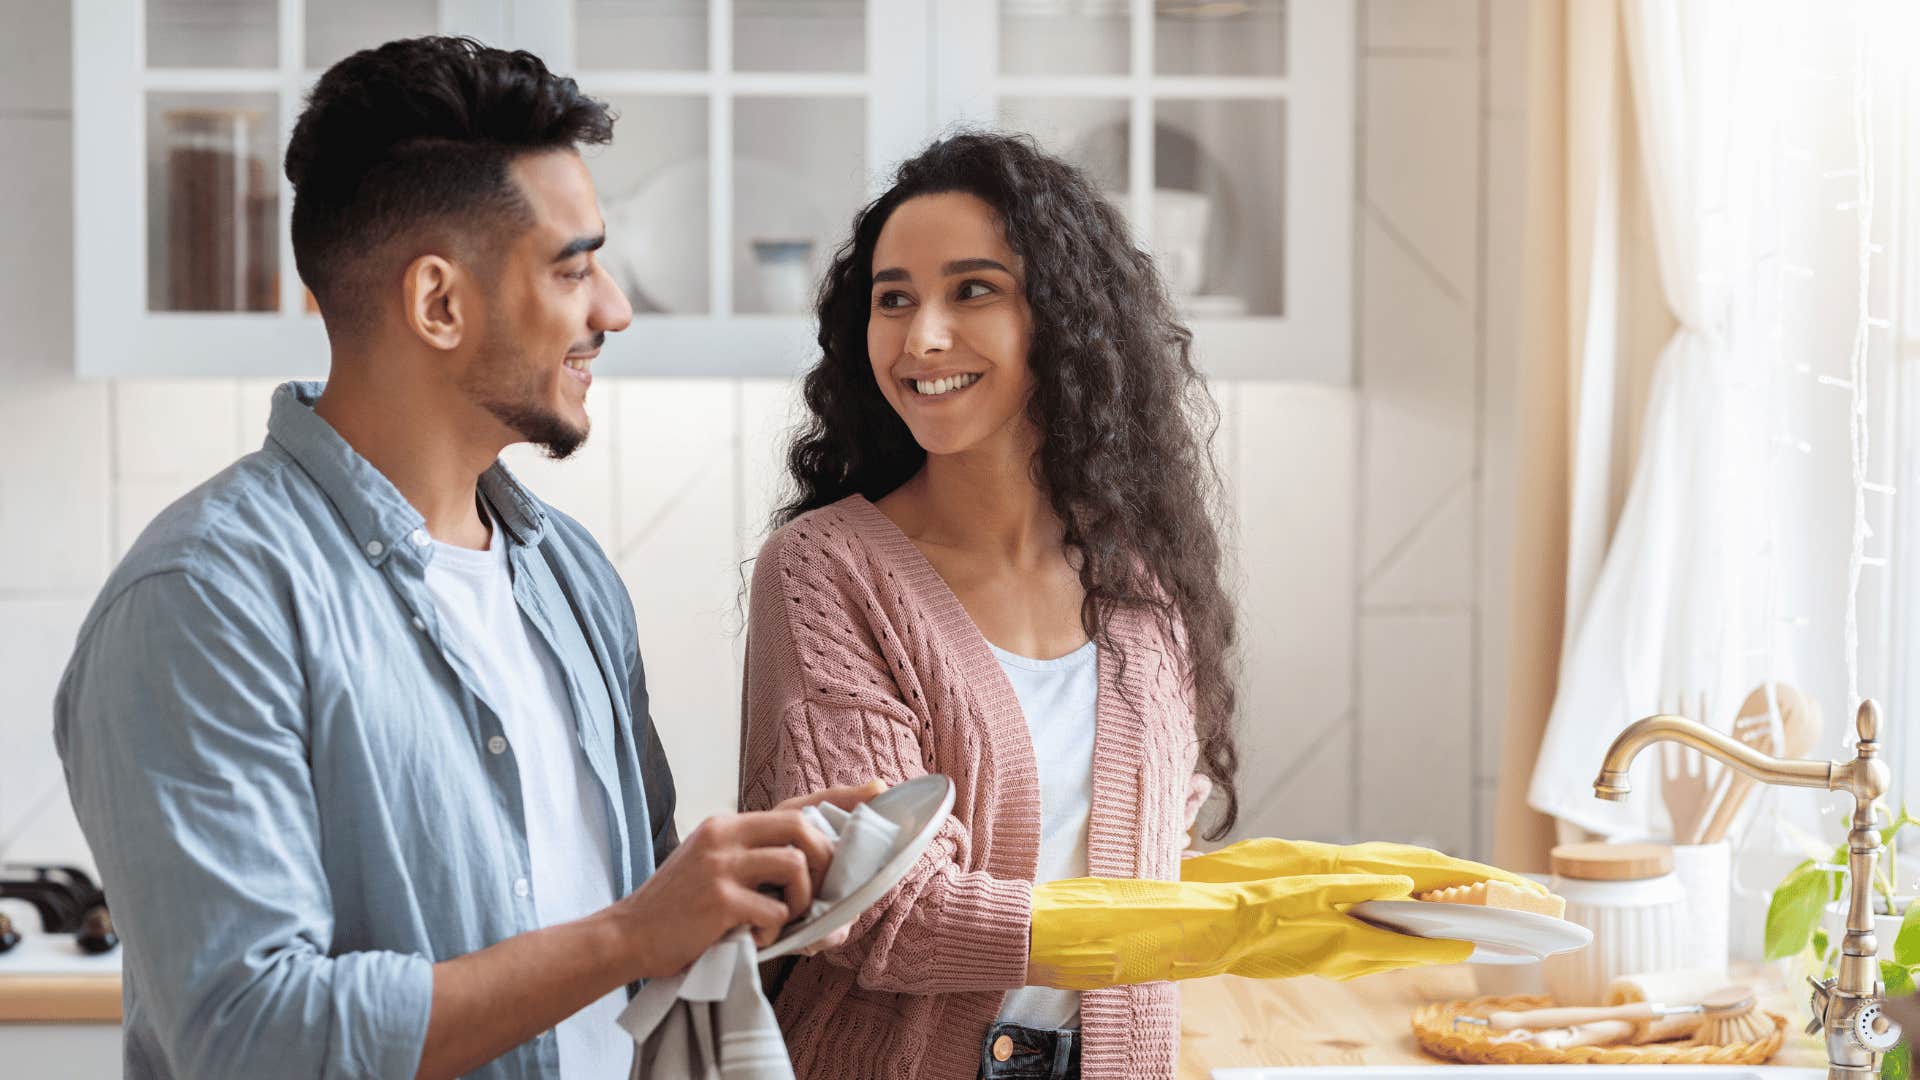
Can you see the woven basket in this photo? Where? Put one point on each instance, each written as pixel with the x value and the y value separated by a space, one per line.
pixel 1471 1043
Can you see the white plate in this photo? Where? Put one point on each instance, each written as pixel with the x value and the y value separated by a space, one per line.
pixel 919 806
pixel 1499 935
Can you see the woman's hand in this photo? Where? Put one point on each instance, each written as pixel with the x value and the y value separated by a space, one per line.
pixel 1253 860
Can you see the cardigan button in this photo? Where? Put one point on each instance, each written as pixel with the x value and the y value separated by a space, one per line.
pixel 1002 1048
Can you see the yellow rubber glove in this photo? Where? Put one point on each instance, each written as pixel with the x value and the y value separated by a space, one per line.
pixel 1095 932
pixel 1255 860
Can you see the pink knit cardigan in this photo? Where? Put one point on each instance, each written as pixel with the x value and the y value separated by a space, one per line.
pixel 861 663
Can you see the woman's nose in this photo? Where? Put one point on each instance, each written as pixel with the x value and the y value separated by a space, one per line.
pixel 930 332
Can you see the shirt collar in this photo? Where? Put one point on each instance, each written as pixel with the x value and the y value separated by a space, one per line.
pixel 377 515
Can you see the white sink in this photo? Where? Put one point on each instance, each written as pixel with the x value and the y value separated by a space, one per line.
pixel 1525 1071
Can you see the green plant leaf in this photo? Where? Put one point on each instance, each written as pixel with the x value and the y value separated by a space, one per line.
pixel 1897 1064
pixel 1898 977
pixel 1794 912
pixel 1820 944
pixel 1906 943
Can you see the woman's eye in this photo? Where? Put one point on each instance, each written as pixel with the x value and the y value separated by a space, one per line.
pixel 891 300
pixel 967 291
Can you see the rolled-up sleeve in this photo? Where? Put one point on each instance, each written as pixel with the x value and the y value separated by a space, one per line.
pixel 180 723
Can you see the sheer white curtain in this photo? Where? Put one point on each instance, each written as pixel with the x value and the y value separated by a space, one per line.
pixel 1727 565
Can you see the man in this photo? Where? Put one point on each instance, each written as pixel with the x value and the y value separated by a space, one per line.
pixel 358 731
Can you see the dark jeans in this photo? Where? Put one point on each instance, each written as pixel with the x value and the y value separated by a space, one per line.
pixel 1031 1054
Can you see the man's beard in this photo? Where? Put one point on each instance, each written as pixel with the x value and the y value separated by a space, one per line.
pixel 496 384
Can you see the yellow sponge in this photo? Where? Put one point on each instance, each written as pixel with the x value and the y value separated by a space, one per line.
pixel 1498 894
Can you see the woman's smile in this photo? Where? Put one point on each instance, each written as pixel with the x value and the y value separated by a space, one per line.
pixel 945 388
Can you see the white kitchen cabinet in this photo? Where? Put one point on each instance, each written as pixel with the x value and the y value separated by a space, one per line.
pixel 71 1051
pixel 749 133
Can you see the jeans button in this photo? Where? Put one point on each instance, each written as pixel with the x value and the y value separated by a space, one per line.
pixel 1002 1048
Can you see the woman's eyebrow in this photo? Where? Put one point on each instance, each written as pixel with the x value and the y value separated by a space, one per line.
pixel 892 273
pixel 967 266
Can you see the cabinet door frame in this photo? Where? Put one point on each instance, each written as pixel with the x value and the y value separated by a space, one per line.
pixel 930 63
pixel 894 89
pixel 115 335
pixel 1313 340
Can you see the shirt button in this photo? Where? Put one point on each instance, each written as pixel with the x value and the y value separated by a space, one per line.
pixel 419 623
pixel 420 538
pixel 521 888
pixel 497 744
pixel 1002 1048
pixel 374 548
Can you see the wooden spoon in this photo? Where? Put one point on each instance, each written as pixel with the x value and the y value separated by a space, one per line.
pixel 1799 731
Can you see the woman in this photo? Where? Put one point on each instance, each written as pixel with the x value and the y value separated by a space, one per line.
pixel 1000 563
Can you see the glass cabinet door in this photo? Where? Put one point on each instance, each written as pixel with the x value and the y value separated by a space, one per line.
pixel 749 133
pixel 1223 130
pixel 184 264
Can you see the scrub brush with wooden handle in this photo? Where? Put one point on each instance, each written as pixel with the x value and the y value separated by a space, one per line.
pixel 1726 1016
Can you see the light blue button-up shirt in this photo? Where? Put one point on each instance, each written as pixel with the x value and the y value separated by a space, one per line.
pixel 282 765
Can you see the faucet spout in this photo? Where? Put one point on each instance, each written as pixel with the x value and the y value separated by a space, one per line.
pixel 1612 783
pixel 1847 1006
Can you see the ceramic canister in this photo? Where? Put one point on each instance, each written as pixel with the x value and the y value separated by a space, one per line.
pixel 1629 897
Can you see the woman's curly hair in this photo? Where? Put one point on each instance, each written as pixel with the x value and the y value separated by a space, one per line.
pixel 1124 419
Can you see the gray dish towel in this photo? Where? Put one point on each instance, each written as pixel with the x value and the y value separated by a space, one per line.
pixel 712 1022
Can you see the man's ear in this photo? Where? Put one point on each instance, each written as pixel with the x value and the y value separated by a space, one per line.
pixel 435 301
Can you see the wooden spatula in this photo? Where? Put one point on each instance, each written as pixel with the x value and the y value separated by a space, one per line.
pixel 1799 731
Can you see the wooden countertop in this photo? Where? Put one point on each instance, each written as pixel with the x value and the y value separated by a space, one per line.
pixel 1232 1022
pixel 45 979
pixel 60 999
pixel 1224 1021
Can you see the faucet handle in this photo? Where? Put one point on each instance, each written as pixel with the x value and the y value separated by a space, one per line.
pixel 1867 721
pixel 1822 996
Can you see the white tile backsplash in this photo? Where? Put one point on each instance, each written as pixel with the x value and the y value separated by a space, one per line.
pixel 175 429
pixel 36 637
pixel 1430 566
pixel 1420 163
pixel 1296 509
pixel 1417 372
pixel 56 492
pixel 1416 711
pixel 1312 796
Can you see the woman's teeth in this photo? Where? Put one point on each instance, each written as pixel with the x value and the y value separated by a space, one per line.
pixel 948 384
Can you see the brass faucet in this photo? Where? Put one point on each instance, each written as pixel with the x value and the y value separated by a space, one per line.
pixel 1847 1007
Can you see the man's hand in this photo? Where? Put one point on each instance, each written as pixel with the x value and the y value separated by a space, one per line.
pixel 846 798
pixel 712 882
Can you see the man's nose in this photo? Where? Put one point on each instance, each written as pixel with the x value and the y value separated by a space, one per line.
pixel 611 311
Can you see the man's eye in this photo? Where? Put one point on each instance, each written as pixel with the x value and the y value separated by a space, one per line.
pixel 581 274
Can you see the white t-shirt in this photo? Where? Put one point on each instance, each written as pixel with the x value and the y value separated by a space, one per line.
pixel 565 811
pixel 1061 700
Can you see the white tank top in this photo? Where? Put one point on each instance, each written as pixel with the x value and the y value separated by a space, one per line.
pixel 1061 700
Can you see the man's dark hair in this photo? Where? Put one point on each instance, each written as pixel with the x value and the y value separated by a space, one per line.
pixel 415 138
